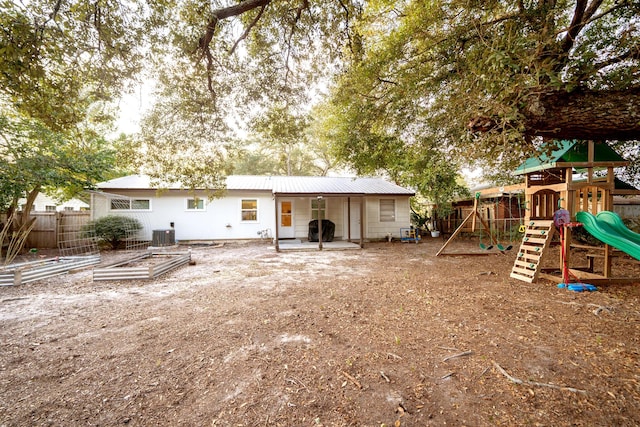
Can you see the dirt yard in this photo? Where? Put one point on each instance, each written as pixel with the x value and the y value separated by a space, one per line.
pixel 385 336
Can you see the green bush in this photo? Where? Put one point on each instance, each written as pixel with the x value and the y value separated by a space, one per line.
pixel 113 229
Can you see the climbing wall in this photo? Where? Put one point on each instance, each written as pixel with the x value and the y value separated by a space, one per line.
pixel 536 239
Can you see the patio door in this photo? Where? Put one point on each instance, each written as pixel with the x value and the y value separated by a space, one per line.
pixel 285 219
pixel 354 220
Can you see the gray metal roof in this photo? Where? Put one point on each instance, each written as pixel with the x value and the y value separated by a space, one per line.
pixel 301 185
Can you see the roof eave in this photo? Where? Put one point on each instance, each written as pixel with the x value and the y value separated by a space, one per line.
pixel 325 194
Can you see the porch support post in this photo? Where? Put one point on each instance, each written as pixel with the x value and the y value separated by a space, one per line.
pixel 362 201
pixel 319 223
pixel 277 242
pixel 348 219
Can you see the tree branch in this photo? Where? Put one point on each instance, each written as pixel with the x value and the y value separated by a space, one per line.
pixel 210 30
pixel 303 5
pixel 346 12
pixel 225 13
pixel 248 29
pixel 630 54
pixel 608 11
pixel 582 114
pixel 577 22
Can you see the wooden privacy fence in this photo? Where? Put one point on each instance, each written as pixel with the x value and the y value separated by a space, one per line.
pixel 53 229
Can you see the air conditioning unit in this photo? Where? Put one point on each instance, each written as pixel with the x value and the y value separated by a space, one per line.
pixel 164 237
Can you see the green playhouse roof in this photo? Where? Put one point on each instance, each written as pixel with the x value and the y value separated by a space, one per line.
pixel 568 152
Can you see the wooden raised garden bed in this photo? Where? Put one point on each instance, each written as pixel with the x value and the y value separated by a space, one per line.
pixel 145 266
pixel 17 274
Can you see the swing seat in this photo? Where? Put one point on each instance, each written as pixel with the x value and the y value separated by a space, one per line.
pixel 485 247
pixel 505 248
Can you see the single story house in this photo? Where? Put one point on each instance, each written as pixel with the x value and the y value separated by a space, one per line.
pixel 277 207
pixel 44 203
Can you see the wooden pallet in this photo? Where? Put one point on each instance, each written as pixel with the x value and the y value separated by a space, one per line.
pixel 535 241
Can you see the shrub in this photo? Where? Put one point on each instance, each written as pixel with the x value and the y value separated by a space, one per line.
pixel 113 229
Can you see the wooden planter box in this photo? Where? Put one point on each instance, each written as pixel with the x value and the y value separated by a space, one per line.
pixel 26 272
pixel 160 263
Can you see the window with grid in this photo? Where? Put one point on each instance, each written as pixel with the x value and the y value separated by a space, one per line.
pixel 318 208
pixel 387 210
pixel 130 204
pixel 195 204
pixel 249 210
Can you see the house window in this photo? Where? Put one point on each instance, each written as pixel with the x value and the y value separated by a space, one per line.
pixel 140 204
pixel 130 204
pixel 49 208
pixel 68 208
pixel 318 208
pixel 387 210
pixel 195 204
pixel 249 210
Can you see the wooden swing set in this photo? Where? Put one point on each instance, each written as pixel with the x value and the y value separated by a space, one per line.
pixel 474 216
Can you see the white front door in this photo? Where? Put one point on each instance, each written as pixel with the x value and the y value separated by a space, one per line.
pixel 354 220
pixel 285 219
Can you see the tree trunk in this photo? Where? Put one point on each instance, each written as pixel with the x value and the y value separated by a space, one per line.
pixel 596 115
pixel 26 210
pixel 582 114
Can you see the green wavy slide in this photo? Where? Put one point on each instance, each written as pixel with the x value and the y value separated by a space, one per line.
pixel 608 228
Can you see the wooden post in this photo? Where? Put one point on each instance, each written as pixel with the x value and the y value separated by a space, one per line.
pixel 527 200
pixel 362 200
pixel 319 198
pixel 607 205
pixel 277 222
pixel 348 219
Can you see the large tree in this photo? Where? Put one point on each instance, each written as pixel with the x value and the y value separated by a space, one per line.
pixel 482 78
pixel 489 80
pixel 251 66
pixel 485 78
pixel 61 63
pixel 59 58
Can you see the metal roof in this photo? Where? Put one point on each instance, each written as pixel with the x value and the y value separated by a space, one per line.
pixel 568 152
pixel 300 185
pixel 336 185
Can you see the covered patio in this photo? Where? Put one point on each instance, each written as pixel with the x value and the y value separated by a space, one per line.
pixel 300 246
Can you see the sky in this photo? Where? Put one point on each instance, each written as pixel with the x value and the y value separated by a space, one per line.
pixel 133 106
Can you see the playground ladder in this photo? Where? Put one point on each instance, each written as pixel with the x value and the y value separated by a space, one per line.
pixel 536 239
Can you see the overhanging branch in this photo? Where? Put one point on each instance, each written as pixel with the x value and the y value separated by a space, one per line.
pixel 210 30
pixel 583 114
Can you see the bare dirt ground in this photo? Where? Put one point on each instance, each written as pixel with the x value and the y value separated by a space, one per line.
pixel 389 335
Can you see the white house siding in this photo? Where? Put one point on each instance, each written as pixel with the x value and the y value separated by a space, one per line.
pixel 378 230
pixel 45 203
pixel 302 216
pixel 221 219
pixel 373 228
pixel 334 213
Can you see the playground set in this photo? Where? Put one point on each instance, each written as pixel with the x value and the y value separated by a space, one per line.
pixel 474 217
pixel 558 203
